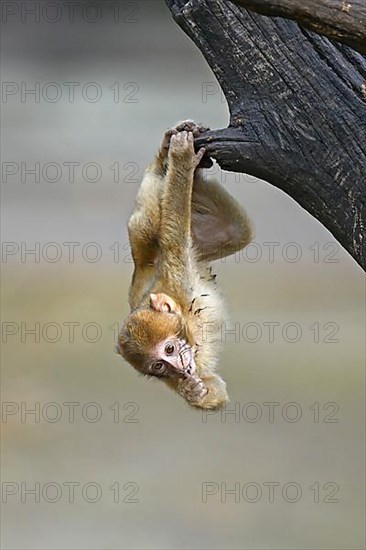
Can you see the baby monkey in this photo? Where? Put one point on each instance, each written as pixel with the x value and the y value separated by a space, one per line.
pixel 179 225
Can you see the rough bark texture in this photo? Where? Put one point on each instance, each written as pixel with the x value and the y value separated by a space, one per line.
pixel 342 20
pixel 297 110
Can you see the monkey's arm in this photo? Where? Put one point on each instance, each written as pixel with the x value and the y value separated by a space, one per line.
pixel 144 223
pixel 175 227
pixel 156 209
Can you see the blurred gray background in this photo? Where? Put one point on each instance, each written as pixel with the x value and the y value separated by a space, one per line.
pixel 131 440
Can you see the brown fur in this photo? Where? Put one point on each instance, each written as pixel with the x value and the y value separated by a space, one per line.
pixel 180 223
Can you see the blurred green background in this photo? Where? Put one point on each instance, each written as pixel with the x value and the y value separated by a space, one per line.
pixel 145 440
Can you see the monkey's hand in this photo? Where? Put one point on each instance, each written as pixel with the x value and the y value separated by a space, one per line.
pixel 181 152
pixel 188 126
pixel 206 393
pixel 192 389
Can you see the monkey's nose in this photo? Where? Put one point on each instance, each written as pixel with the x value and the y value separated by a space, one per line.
pixel 191 368
pixel 185 357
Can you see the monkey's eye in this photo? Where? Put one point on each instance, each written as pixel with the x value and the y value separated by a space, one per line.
pixel 169 349
pixel 158 367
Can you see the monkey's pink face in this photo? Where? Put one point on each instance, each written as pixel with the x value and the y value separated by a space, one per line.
pixel 171 358
pixel 154 341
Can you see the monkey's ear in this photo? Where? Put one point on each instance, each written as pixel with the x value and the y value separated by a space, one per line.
pixel 163 303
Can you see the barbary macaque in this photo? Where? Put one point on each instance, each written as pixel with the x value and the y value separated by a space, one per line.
pixel 181 222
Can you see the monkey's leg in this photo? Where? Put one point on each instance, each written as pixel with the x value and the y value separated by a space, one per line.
pixel 220 225
pixel 144 224
pixel 143 227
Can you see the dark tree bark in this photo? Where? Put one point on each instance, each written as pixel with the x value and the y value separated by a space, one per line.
pixel 342 20
pixel 297 110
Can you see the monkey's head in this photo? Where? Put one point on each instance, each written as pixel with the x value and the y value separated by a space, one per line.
pixel 155 341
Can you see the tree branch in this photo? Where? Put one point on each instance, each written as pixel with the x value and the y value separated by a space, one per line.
pixel 297 110
pixel 342 20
